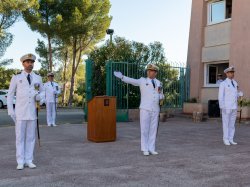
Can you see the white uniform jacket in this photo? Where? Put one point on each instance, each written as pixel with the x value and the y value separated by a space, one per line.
pixel 25 108
pixel 228 94
pixel 51 91
pixel 150 97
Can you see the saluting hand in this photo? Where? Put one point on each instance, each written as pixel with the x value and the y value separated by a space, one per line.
pixel 240 93
pixel 38 97
pixel 13 116
pixel 118 74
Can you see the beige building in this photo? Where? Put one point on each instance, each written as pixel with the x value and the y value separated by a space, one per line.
pixel 219 37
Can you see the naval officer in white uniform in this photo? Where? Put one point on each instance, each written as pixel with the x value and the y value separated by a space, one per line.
pixel 151 94
pixel 24 115
pixel 228 101
pixel 219 79
pixel 52 90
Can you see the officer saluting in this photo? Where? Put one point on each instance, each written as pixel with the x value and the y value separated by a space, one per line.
pixel 151 94
pixel 228 96
pixel 24 115
pixel 52 90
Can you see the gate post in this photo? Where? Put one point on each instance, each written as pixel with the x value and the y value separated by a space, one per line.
pixel 88 85
pixel 88 79
pixel 187 83
pixel 108 78
pixel 182 83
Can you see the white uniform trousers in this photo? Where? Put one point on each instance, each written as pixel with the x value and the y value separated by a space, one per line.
pixel 228 120
pixel 51 113
pixel 25 140
pixel 149 125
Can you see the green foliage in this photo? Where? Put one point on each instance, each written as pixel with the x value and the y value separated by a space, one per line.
pixel 17 5
pixel 5 42
pixel 44 18
pixel 5 77
pixel 42 51
pixel 10 10
pixel 84 20
pixel 169 76
pixel 244 102
pixel 122 50
pixel 83 25
pixel 72 28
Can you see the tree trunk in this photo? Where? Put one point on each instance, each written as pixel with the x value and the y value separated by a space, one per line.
pixel 64 78
pixel 72 80
pixel 63 94
pixel 50 54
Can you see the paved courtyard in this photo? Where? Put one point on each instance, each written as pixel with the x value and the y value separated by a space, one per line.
pixel 64 116
pixel 191 154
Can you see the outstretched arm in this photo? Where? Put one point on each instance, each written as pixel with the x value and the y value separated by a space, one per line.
pixel 135 82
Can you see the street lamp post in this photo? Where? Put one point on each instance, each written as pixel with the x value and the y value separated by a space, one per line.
pixel 110 32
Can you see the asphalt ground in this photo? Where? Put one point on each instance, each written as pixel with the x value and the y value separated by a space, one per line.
pixel 191 154
pixel 64 116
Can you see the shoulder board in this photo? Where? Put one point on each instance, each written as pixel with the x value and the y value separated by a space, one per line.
pixel 36 74
pixel 18 73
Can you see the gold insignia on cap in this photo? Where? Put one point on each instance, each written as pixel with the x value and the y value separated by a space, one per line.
pixel 50 74
pixel 28 56
pixel 229 69
pixel 152 67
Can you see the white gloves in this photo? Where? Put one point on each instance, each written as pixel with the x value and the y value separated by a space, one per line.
pixel 240 94
pixel 37 97
pixel 118 74
pixel 161 96
pixel 42 101
pixel 13 116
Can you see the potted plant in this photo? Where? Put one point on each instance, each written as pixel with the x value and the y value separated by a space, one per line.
pixel 192 105
pixel 244 108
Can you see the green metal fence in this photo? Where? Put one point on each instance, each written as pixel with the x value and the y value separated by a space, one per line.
pixel 174 77
pixel 88 85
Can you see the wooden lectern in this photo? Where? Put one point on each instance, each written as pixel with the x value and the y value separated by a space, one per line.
pixel 102 119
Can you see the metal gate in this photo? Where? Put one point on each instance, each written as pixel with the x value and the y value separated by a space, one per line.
pixel 175 80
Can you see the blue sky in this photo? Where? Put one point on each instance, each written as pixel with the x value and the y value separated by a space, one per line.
pixel 144 21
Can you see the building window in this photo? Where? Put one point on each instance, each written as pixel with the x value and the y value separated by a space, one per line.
pixel 229 9
pixel 214 74
pixel 219 11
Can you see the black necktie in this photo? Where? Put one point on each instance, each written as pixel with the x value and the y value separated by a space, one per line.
pixel 153 82
pixel 52 84
pixel 28 78
pixel 233 84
